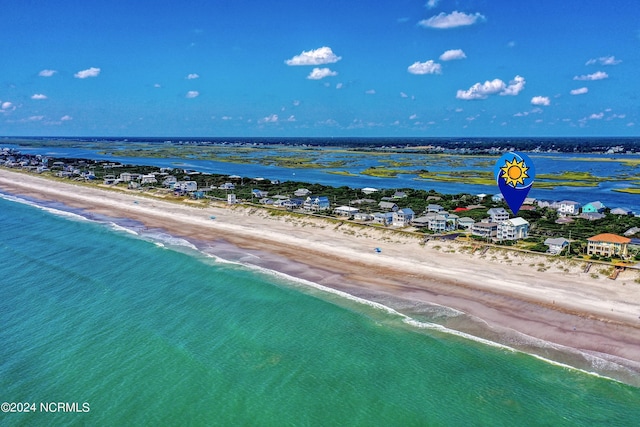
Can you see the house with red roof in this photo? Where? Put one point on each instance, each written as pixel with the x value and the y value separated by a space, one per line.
pixel 608 245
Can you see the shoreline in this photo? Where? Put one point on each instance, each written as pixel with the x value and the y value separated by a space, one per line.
pixel 505 295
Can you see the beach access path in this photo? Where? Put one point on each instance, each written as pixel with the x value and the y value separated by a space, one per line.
pixel 541 297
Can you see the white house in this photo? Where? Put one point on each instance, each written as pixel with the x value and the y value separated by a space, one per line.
pixel 498 214
pixel 149 179
pixel 403 217
pixel 369 190
pixel 568 207
pixel 513 229
pixel 346 210
pixel 231 199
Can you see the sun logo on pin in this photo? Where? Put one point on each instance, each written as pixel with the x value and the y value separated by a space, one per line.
pixel 514 172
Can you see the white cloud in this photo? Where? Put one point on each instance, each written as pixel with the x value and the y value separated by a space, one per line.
pixel 192 94
pixel 604 60
pixel 428 67
pixel 432 3
pixel 38 96
pixel 89 72
pixel 403 95
pixel 541 100
pixel 157 85
pixel 47 73
pixel 35 118
pixel 579 91
pixel 515 86
pixel 193 76
pixel 454 19
pixel 598 75
pixel 291 118
pixel 321 73
pixel 339 85
pixel 452 54
pixel 273 118
pixel 596 116
pixel 320 56
pixel 413 117
pixel 370 92
pixel 66 118
pixel 7 106
pixel 495 86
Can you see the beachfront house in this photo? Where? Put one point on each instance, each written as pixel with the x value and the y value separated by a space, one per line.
pixel 316 204
pixel 383 218
pixel 347 211
pixel 485 229
pixel 434 208
pixel 568 207
pixel 608 245
pixel 498 214
pixel 465 223
pixel 403 217
pixel 185 186
pixel 231 199
pixel 148 179
pixel 513 229
pixel 593 207
pixel 363 216
pixel 556 244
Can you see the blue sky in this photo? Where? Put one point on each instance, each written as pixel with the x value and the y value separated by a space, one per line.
pixel 332 68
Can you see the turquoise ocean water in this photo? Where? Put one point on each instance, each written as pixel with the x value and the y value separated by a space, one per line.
pixel 149 331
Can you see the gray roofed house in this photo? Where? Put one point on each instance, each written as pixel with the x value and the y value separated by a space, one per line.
pixel 389 206
pixel 556 244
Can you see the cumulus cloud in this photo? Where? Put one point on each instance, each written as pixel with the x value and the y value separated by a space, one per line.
pixel 320 56
pixel 495 86
pixel 432 3
pixel 452 54
pixel 579 91
pixel 321 73
pixel 273 118
pixel 66 118
pixel 604 60
pixel 89 72
pixel 452 20
pixel 541 100
pixel 429 67
pixel 6 106
pixel 596 116
pixel 192 94
pixel 47 73
pixel 598 75
pixel 515 86
pixel 38 96
pixel 192 76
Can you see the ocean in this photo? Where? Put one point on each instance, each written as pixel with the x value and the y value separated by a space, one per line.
pixel 128 326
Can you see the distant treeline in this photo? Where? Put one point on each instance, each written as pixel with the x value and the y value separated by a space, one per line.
pixel 471 145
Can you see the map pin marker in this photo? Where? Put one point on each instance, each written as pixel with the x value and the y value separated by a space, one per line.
pixel 514 175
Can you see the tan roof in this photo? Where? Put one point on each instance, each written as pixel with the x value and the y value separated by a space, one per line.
pixel 609 238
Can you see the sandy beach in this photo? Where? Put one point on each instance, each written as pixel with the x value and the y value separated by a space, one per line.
pixel 509 294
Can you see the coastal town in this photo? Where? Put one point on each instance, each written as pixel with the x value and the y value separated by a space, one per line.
pixel 591 231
